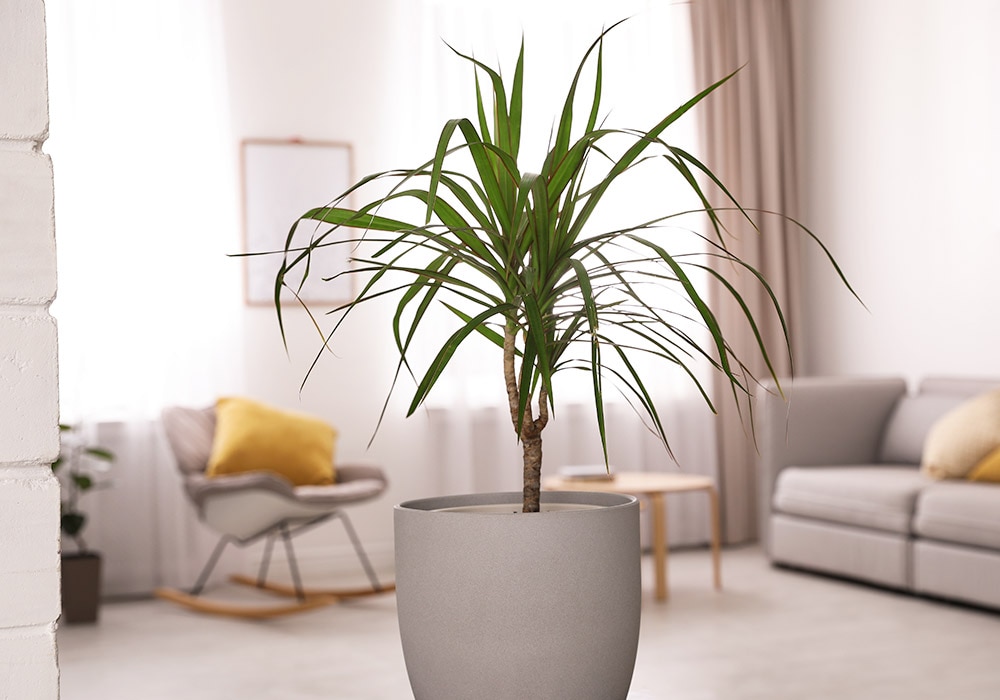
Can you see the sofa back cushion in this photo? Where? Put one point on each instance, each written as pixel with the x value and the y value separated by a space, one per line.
pixel 966 387
pixel 912 418
pixel 909 423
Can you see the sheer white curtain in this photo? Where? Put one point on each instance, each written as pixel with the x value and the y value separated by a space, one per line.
pixel 145 206
pixel 148 303
pixel 647 73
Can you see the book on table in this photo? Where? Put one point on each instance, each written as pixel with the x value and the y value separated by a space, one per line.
pixel 587 472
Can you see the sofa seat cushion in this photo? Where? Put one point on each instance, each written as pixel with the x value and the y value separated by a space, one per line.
pixel 874 496
pixel 960 512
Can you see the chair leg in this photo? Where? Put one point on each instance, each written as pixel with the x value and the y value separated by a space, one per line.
pixel 210 564
pixel 362 555
pixel 194 601
pixel 293 564
pixel 265 561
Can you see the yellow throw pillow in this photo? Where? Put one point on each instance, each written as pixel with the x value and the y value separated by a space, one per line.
pixel 963 437
pixel 988 469
pixel 252 436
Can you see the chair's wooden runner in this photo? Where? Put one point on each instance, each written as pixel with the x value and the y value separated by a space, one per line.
pixel 215 607
pixel 289 591
pixel 313 599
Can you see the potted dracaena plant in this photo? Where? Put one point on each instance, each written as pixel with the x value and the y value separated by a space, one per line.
pixel 497 600
pixel 79 469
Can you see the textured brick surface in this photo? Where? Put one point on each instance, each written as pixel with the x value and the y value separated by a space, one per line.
pixel 29 402
pixel 29 547
pixel 23 83
pixel 28 668
pixel 27 235
pixel 29 437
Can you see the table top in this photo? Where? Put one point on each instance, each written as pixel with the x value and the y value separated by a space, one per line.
pixel 634 483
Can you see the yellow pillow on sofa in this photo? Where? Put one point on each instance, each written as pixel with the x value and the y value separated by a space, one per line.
pixel 252 436
pixel 963 437
pixel 988 468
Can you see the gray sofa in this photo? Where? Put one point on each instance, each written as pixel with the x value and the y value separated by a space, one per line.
pixel 841 491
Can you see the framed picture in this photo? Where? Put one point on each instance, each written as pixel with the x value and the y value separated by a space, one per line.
pixel 282 180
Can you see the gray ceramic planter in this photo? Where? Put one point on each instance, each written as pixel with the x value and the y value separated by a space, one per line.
pixel 507 606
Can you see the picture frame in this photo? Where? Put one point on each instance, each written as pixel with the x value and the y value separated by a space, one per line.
pixel 282 180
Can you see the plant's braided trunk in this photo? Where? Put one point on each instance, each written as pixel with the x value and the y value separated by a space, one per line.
pixel 532 451
pixel 530 430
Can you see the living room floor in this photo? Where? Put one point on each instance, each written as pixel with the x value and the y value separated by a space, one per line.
pixel 771 634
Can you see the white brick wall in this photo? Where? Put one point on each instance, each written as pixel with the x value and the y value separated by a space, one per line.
pixel 24 109
pixel 29 566
pixel 26 205
pixel 29 437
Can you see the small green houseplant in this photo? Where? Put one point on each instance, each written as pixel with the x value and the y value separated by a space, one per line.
pixel 512 255
pixel 80 467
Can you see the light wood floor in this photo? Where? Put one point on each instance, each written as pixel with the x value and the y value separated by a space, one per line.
pixel 771 634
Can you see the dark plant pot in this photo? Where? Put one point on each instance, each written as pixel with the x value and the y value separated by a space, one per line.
pixel 81 587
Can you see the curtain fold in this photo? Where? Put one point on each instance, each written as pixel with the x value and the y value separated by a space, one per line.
pixel 749 136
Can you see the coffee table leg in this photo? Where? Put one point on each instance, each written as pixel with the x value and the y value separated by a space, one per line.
pixel 656 503
pixel 713 498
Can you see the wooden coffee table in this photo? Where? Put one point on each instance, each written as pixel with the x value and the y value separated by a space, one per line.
pixel 653 486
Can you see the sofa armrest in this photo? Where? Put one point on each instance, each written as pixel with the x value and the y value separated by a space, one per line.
pixel 825 421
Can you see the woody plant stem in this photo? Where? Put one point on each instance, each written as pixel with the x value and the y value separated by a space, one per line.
pixel 529 429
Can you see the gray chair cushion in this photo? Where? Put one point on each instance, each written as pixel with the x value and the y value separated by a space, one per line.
pixel 355 483
pixel 911 420
pixel 874 496
pixel 190 432
pixel 200 488
pixel 960 511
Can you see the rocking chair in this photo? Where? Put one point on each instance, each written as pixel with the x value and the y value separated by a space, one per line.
pixel 246 508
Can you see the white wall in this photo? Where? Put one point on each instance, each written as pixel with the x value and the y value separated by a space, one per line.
pixel 29 495
pixel 901 104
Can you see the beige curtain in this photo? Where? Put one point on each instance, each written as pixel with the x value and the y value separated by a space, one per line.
pixel 748 136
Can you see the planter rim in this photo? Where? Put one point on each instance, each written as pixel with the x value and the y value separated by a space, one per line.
pixel 588 498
